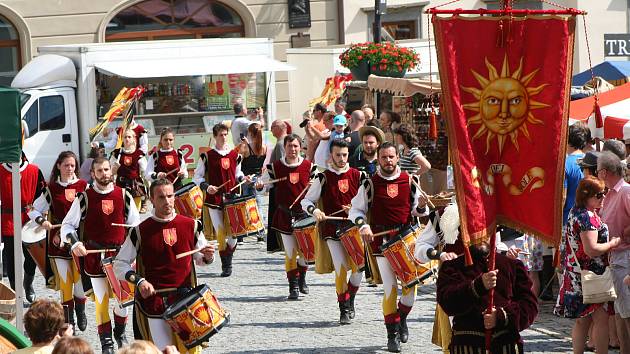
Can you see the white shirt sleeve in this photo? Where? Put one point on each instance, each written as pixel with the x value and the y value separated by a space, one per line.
pixel 239 173
pixel 414 199
pixel 133 217
pixel 360 205
pixel 312 195
pixel 142 163
pixel 200 172
pixel 201 243
pixel 183 166
pixel 144 142
pixel 150 170
pixel 71 222
pixel 125 257
pixel 428 239
pixel 40 207
pixel 113 140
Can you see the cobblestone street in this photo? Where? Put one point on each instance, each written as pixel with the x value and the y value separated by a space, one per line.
pixel 263 321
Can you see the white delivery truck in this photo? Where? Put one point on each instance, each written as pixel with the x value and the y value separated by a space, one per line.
pixel 191 85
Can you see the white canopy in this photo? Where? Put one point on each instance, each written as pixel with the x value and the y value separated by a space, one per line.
pixel 192 66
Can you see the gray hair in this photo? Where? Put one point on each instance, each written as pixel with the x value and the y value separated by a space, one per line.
pixel 610 162
pixel 616 147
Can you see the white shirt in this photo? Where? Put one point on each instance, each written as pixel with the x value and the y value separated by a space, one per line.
pixel 200 171
pixel 41 204
pixel 315 191
pixel 361 202
pixel 128 252
pixel 72 220
pixel 150 169
pixel 239 126
pixel 143 139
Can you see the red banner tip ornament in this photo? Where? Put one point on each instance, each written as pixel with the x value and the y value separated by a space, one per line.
pixel 599 121
pixel 433 135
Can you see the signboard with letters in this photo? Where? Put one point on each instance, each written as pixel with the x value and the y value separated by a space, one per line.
pixel 617 45
pixel 299 13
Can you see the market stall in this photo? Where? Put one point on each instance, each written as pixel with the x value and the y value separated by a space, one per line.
pixel 615 109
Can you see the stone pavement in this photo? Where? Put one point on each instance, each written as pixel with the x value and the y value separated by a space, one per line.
pixel 263 321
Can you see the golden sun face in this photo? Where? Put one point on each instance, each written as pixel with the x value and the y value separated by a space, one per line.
pixel 504 104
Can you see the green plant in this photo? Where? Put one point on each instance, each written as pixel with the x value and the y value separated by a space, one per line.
pixel 384 56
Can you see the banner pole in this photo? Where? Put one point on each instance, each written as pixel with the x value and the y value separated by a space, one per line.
pixel 491 264
pixel 18 259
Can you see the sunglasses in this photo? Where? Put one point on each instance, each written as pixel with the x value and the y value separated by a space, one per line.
pixel 601 195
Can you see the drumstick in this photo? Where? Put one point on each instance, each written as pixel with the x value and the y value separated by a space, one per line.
pixel 301 194
pixel 337 212
pixel 181 255
pixel 383 233
pixel 101 251
pixel 123 225
pixel 56 226
pixel 223 185
pixel 334 218
pixel 238 185
pixel 424 194
pixel 274 181
pixel 171 171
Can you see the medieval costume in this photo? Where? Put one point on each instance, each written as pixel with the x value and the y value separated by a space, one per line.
pixel 130 167
pixel 169 161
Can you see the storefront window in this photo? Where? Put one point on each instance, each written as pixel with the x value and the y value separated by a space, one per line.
pixel 401 29
pixel 175 19
pixel 10 58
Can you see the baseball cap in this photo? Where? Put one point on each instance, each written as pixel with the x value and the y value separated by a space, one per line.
pixel 589 159
pixel 339 119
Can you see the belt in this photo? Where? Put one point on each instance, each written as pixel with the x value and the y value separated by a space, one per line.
pixel 478 333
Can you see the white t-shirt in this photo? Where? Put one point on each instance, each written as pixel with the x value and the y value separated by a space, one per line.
pixel 239 126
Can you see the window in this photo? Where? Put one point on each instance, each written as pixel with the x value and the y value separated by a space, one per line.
pixel 401 29
pixel 48 113
pixel 175 19
pixel 10 55
pixel 52 114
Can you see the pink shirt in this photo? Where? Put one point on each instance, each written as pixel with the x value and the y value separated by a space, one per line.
pixel 616 214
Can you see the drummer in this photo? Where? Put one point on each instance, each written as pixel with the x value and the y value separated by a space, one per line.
pixel 296 174
pixel 218 170
pixel 166 234
pixel 32 183
pixel 167 162
pixel 336 187
pixel 56 200
pixel 129 165
pixel 98 209
pixel 393 198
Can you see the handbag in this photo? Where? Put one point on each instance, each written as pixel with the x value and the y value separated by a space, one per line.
pixel 596 288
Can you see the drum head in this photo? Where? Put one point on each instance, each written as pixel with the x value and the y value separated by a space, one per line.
pixel 188 299
pixel 238 200
pixel 305 222
pixel 32 232
pixel 185 189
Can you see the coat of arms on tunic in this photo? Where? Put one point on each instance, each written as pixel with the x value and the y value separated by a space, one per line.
pixel 127 160
pixel 294 177
pixel 392 190
pixel 343 185
pixel 225 163
pixel 170 236
pixel 107 206
pixel 170 159
pixel 70 194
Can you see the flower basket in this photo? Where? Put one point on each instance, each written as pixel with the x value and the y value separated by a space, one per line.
pixel 383 59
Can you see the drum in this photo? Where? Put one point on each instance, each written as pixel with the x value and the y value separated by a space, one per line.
pixel 197 316
pixel 189 201
pixel 353 244
pixel 243 217
pixel 34 240
pixel 399 252
pixel 122 289
pixel 306 233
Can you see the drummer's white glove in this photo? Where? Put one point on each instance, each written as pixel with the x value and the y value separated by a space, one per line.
pixel 319 215
pixel 79 250
pixel 366 233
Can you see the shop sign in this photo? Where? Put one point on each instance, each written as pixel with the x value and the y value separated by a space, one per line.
pixel 299 13
pixel 617 45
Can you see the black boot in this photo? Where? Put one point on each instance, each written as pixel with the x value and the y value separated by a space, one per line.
pixel 302 281
pixel 69 314
pixel 29 292
pixel 119 334
pixel 404 331
pixel 226 265
pixel 107 344
pixel 351 312
pixel 393 338
pixel 294 290
pixel 79 308
pixel 344 313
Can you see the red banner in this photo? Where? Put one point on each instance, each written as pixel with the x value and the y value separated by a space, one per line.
pixel 505 84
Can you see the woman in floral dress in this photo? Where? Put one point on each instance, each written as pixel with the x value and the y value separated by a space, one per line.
pixel 587 240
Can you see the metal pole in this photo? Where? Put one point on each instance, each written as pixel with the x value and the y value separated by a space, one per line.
pixel 377 39
pixel 17 245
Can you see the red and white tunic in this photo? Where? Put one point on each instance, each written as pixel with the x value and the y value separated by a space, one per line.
pixel 216 167
pixel 166 161
pixel 166 238
pixel 31 185
pixel 57 199
pixel 297 177
pixel 336 189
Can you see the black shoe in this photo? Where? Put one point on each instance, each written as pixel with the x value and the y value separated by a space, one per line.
pixel 79 309
pixel 226 266
pixel 393 338
pixel 239 240
pixel 344 313
pixel 29 292
pixel 351 311
pixel 119 335
pixel 302 282
pixel 107 344
pixel 404 331
pixel 294 290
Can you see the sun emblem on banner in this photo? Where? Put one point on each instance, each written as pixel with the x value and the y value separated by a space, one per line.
pixel 504 104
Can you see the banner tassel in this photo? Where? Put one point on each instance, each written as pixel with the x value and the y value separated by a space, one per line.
pixel 433 134
pixel 599 121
